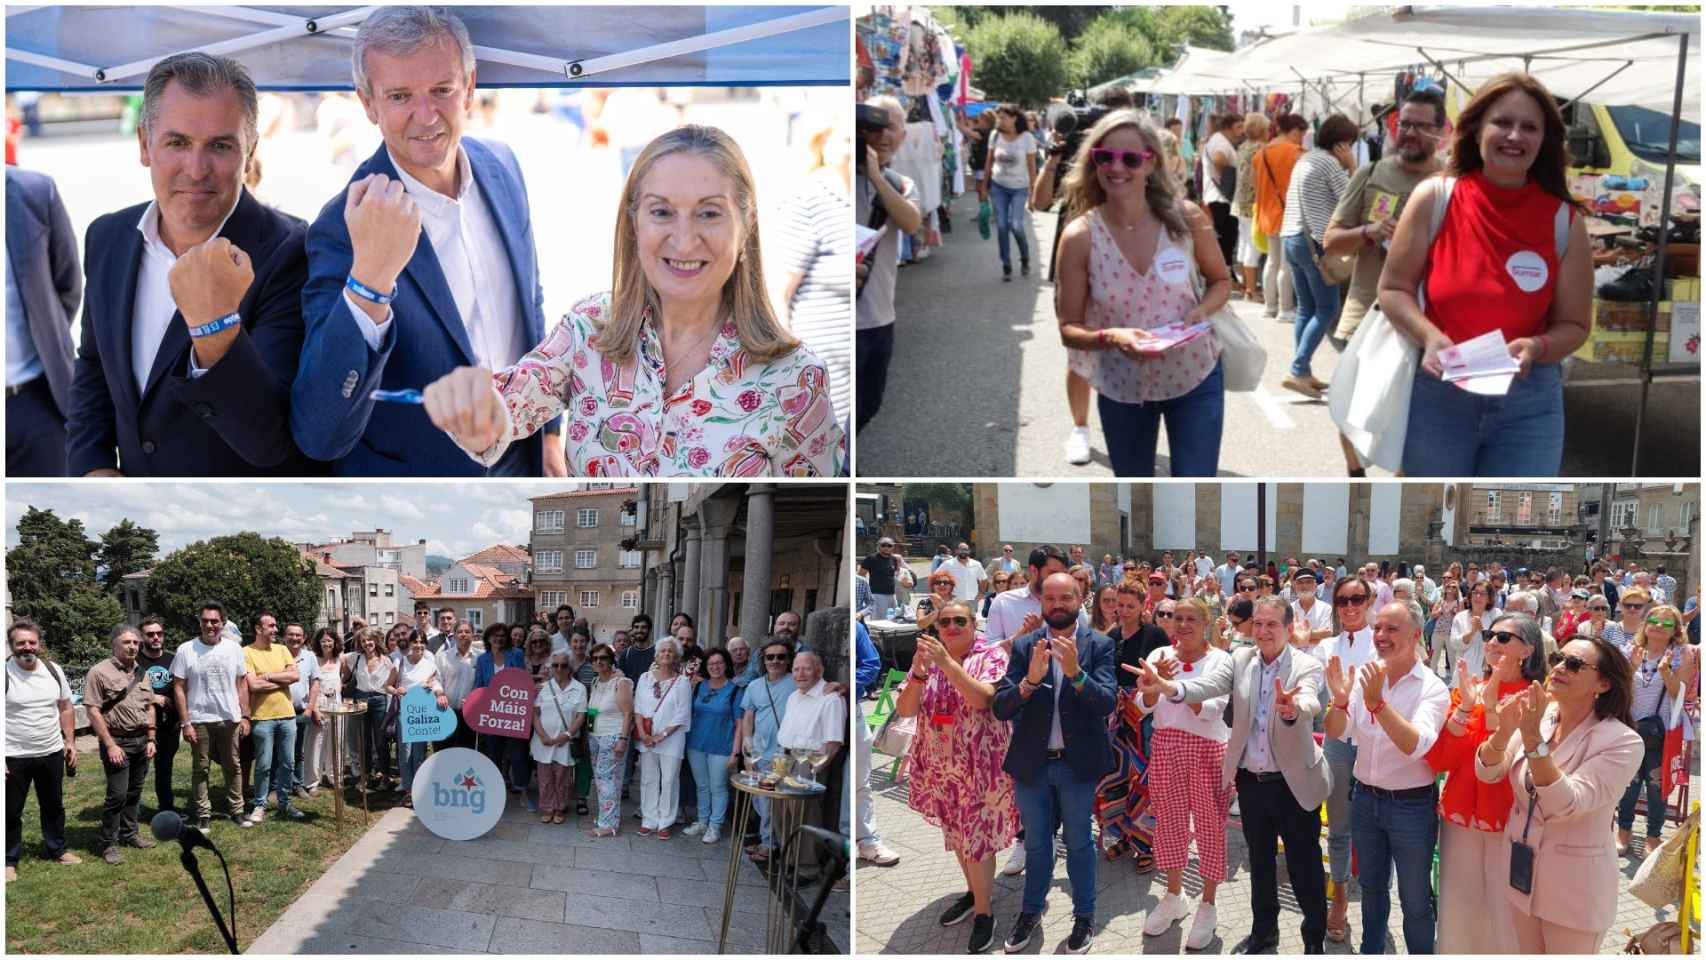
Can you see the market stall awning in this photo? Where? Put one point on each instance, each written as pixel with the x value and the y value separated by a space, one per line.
pixel 55 48
pixel 1202 71
pixel 1606 56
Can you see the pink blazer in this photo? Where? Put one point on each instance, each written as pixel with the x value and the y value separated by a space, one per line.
pixel 1575 859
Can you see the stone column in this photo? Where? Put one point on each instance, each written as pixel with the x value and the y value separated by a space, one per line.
pixel 718 515
pixel 690 571
pixel 760 551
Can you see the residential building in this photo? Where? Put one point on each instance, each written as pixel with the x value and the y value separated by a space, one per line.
pixel 373 548
pixel 578 557
pixel 1541 515
pixel 481 594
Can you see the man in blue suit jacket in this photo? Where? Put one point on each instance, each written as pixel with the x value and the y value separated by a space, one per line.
pixel 424 263
pixel 44 285
pixel 1058 692
pixel 191 319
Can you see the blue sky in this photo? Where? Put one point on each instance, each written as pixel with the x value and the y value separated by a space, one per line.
pixel 456 519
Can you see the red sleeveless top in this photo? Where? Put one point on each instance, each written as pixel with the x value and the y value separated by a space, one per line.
pixel 1495 262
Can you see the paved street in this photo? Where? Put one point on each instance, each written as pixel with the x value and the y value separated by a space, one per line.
pixel 978 387
pixel 898 905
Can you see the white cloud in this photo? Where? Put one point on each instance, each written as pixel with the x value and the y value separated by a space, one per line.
pixel 401 507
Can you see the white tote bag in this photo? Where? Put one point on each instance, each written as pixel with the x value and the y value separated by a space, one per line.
pixel 1370 395
pixel 1242 356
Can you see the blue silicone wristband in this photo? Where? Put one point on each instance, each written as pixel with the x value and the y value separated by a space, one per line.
pixel 366 292
pixel 209 329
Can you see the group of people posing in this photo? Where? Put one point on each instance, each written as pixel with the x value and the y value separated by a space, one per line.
pixel 262 709
pixel 1493 241
pixel 1158 705
pixel 403 331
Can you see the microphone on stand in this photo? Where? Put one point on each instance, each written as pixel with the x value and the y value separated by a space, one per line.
pixel 167 826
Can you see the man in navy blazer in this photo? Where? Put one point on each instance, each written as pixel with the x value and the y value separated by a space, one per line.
pixel 1058 692
pixel 44 285
pixel 423 263
pixel 192 323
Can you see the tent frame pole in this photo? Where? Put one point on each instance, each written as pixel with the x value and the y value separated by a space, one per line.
pixel 1607 79
pixel 1446 73
pixel 301 26
pixel 579 69
pixel 1659 257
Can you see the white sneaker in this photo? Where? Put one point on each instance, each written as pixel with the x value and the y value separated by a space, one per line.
pixel 1015 861
pixel 1202 927
pixel 256 816
pixel 1078 445
pixel 695 829
pixel 1172 908
pixel 710 835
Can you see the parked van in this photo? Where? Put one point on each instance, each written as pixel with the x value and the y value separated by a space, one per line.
pixel 1619 160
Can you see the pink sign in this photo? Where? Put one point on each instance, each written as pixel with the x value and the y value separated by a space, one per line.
pixel 503 708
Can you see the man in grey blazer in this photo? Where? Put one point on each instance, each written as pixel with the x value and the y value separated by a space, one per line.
pixel 44 286
pixel 1278 767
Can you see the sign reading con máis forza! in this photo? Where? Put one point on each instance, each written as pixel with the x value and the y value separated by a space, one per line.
pixel 504 707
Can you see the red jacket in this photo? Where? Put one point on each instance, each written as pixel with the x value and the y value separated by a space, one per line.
pixel 1466 800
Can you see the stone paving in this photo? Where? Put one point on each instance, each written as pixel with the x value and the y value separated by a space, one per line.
pixel 898 905
pixel 527 888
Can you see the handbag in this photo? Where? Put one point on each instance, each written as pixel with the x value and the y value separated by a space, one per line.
pixel 895 737
pixel 1335 268
pixel 1662 937
pixel 1659 880
pixel 1242 356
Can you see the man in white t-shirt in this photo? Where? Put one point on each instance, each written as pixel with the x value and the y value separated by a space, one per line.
pixel 1227 573
pixel 970 580
pixel 1312 614
pixel 210 682
pixel 1204 565
pixel 40 745
pixel 1219 165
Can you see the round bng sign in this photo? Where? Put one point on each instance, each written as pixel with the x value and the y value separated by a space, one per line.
pixel 458 794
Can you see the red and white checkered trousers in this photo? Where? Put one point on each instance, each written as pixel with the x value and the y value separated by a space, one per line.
pixel 1185 793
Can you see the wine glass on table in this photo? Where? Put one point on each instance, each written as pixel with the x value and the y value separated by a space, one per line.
pixel 750 751
pixel 816 760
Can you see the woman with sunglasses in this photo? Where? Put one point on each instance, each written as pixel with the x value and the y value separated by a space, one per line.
pixel 663 711
pixel 1564 749
pixel 1473 913
pixel 954 775
pixel 1599 611
pixel 1631 610
pixel 1010 168
pixel 941 585
pixel 1130 260
pixel 998 583
pixel 1664 669
pixel 1104 610
pixel 610 705
pixel 1236 627
pixel 559 709
pixel 1574 614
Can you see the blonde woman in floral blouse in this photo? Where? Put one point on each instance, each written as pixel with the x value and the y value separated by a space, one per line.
pixel 954 775
pixel 683 368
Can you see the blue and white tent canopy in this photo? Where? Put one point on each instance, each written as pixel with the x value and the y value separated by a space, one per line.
pixel 69 48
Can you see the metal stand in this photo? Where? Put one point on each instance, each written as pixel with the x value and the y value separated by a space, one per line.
pixel 341 716
pixel 787 813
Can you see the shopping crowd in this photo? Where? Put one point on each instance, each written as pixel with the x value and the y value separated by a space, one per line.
pixel 1506 720
pixel 1309 217
pixel 654 715
pixel 403 331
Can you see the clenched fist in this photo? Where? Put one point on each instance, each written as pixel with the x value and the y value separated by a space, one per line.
pixel 465 404
pixel 384 226
pixel 208 282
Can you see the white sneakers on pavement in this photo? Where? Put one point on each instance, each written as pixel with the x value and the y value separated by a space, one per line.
pixel 1015 864
pixel 1202 927
pixel 1172 908
pixel 878 853
pixel 711 835
pixel 1078 445
pixel 697 827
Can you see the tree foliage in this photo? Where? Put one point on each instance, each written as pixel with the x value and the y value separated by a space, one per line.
pixel 125 549
pixel 1197 26
pixel 1020 58
pixel 1107 50
pixel 51 576
pixel 244 572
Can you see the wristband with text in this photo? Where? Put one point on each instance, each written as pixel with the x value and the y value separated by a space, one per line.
pixel 223 323
pixel 369 294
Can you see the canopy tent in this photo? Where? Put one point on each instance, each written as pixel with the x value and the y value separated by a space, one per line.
pixel 70 49
pixel 1200 70
pixel 1138 82
pixel 1607 56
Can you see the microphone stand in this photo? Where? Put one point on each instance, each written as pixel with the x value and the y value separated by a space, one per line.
pixel 188 860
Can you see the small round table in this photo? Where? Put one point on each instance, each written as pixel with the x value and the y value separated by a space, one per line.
pixel 341 714
pixel 787 811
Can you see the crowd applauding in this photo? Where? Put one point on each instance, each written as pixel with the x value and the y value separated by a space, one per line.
pixel 1505 721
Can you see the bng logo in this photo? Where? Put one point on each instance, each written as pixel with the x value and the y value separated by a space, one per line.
pixel 466 793
pixel 458 794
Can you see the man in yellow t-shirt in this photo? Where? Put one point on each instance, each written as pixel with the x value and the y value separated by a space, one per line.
pixel 271 672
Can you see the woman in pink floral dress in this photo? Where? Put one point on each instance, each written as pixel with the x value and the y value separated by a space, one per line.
pixel 682 369
pixel 954 770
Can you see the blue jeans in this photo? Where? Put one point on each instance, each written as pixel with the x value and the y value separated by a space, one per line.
pixel 1058 797
pixel 711 783
pixel 1009 206
pixel 1396 835
pixel 1455 433
pixel 374 731
pixel 303 722
pixel 1194 423
pixel 1656 806
pixel 1341 760
pixel 410 756
pixel 1317 302
pixel 275 751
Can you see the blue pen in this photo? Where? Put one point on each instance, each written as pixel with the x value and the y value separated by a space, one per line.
pixel 398 396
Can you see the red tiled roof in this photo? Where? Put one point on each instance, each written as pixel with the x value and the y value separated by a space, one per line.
pixel 498 553
pixel 487 582
pixel 586 493
pixel 420 588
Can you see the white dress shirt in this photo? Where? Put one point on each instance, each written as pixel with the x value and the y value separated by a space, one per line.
pixel 151 314
pixel 812 718
pixel 1353 651
pixel 455 673
pixel 471 254
pixel 1422 699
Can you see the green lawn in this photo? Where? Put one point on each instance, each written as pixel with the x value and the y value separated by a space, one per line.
pixel 149 904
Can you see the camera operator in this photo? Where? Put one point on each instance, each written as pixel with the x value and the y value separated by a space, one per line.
pixel 887 201
pixel 1059 150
